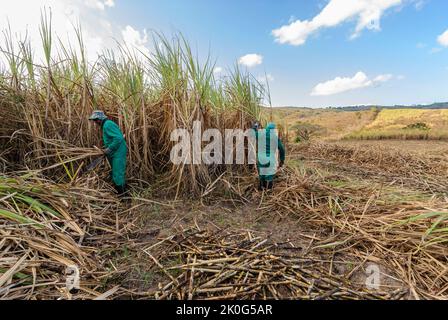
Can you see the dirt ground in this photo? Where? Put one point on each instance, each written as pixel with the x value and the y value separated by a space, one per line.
pixel 290 232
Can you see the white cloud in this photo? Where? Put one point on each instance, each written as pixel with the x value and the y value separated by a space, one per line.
pixel 421 45
pixel 251 60
pixel 218 70
pixel 135 39
pixel 368 14
pixel 99 4
pixel 98 30
pixel 339 84
pixel 24 18
pixel 435 50
pixel 266 78
pixel 109 3
pixel 419 4
pixel 383 78
pixel 443 39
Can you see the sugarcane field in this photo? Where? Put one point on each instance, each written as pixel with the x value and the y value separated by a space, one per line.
pixel 147 153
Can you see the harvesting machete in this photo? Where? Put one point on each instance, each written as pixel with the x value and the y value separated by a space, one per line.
pixel 95 163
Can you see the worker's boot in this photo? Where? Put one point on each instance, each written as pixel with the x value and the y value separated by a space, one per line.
pixel 121 190
pixel 269 185
pixel 123 194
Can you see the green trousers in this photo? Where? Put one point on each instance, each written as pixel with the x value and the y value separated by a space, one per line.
pixel 118 164
pixel 267 178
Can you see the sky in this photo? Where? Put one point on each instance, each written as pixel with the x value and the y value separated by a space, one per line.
pixel 314 53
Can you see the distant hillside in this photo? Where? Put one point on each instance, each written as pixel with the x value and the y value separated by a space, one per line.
pixel 367 122
pixel 439 105
pixel 331 123
pixel 409 124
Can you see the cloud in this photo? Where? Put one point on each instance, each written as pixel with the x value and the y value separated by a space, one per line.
pixel 383 78
pixel 443 39
pixel 419 4
pixel 251 60
pixel 435 50
pixel 109 3
pixel 421 45
pixel 98 29
pixel 266 78
pixel 368 14
pixel 100 4
pixel 218 70
pixel 24 19
pixel 339 84
pixel 135 39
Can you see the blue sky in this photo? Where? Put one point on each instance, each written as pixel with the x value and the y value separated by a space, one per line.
pixel 328 53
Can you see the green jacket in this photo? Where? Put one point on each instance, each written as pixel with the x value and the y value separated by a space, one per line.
pixel 113 140
pixel 266 157
pixel 281 147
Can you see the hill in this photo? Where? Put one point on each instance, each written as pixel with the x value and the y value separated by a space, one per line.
pixel 439 105
pixel 366 123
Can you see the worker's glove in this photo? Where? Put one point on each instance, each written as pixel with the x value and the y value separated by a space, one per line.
pixel 107 151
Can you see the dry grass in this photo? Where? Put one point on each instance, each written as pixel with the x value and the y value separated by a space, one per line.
pixel 419 147
pixel 222 265
pixel 391 124
pixel 408 237
pixel 47 227
pixel 357 224
pixel 372 124
pixel 361 224
pixel 401 117
pixel 398 134
pixel 382 158
pixel 331 124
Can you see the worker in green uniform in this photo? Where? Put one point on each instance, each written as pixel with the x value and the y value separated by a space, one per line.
pixel 114 148
pixel 266 154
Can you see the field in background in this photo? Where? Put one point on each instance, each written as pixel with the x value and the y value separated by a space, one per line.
pixel 407 124
pixel 373 124
pixel 417 147
pixel 326 124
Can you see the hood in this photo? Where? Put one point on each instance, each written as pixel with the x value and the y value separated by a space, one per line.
pixel 270 126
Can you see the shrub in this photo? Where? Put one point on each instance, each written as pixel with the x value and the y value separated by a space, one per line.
pixel 417 126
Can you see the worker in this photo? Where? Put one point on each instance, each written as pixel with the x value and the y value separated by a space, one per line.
pixel 266 158
pixel 114 148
